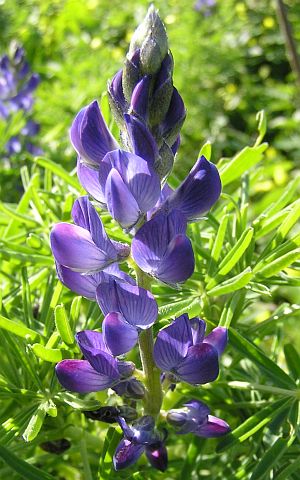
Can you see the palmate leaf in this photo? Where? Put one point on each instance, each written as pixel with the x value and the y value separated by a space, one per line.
pixel 24 469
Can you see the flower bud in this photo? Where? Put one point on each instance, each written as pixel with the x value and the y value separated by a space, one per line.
pixel 151 38
pixel 177 418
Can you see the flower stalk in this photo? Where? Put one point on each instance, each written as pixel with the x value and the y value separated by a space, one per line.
pixel 153 395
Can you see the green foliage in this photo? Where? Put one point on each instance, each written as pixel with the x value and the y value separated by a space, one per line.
pixel 228 67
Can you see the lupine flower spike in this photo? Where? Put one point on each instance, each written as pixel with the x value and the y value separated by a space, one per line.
pixel 128 178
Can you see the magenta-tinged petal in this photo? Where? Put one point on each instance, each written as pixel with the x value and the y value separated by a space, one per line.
pixel 89 179
pixel 218 338
pixel 127 454
pixel 95 137
pixel 172 344
pixel 120 337
pixel 198 327
pixel 79 376
pixel 215 427
pixel 73 247
pixel 136 304
pixel 84 285
pixel 178 263
pixel 157 456
pixel 120 201
pixel 141 139
pixel 200 365
pixel 199 191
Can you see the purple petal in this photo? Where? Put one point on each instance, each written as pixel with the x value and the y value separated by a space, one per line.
pixel 172 344
pixel 218 338
pixel 136 304
pixel 164 194
pixel 178 263
pixel 198 192
pixel 151 242
pixel 141 139
pixel 89 179
pixel 73 247
pixel 85 215
pixel 79 376
pixel 140 97
pixel 197 409
pixel 174 118
pixel 198 327
pixel 90 135
pixel 142 181
pixel 157 456
pixel 116 90
pixel 200 365
pixel 91 340
pixel 125 369
pixel 119 336
pixel 215 427
pixel 120 201
pixel 126 454
pixel 84 285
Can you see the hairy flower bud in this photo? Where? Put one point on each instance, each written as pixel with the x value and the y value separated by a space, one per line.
pixel 152 40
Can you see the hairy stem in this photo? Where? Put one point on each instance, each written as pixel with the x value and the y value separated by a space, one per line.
pixel 153 396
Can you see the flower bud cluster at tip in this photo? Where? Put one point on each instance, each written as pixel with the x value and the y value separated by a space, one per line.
pixel 128 180
pixel 17 85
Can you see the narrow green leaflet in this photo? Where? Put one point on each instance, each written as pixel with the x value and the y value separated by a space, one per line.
pixel 17 328
pixel 272 268
pixel 52 355
pixel 293 360
pixel 241 163
pixel 270 458
pixel 24 469
pixel 59 171
pixel 286 473
pixel 233 284
pixel 112 439
pixel 253 424
pixel 270 368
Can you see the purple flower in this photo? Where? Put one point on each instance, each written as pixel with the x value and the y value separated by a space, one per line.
pixel 197 193
pixel 182 350
pixel 128 309
pixel 85 247
pixel 162 249
pixel 205 6
pixel 99 370
pixel 195 418
pixel 130 186
pixel 141 437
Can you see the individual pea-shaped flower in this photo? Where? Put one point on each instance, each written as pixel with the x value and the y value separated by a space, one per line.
pixel 128 309
pixel 195 418
pixel 85 246
pixel 141 437
pixel 197 193
pixel 130 186
pixel 92 140
pixel 99 371
pixel 182 350
pixel 162 249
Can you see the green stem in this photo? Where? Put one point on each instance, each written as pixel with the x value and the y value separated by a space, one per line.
pixel 84 456
pixel 153 395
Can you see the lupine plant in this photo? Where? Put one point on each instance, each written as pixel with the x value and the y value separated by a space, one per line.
pixel 164 321
pixel 17 85
pixel 129 180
